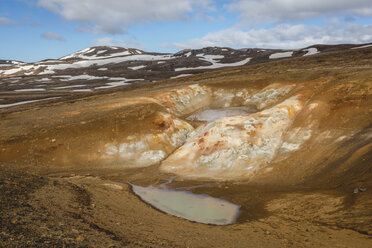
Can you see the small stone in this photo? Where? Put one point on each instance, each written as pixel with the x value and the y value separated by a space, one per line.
pixel 362 189
pixel 356 191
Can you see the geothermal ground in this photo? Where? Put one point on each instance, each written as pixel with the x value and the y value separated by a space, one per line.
pixel 287 143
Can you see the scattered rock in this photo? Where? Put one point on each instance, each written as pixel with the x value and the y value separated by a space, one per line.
pixel 359 189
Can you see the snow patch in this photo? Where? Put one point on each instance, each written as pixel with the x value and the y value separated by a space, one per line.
pixel 182 75
pixel 137 67
pixel 118 78
pixel 102 51
pixel 311 51
pixel 70 86
pixel 370 45
pixel 112 85
pixel 25 102
pixel 82 90
pixel 215 65
pixel 82 77
pixel 280 55
pixel 42 80
pixel 210 57
pixel 21 90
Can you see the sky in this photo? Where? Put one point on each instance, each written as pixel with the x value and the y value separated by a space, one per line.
pixel 33 30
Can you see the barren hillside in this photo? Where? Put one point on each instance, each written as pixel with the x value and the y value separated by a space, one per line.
pixel 288 141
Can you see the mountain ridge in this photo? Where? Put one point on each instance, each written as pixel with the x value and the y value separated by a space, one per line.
pixel 326 47
pixel 103 68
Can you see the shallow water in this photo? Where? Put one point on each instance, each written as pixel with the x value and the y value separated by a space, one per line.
pixel 210 115
pixel 195 207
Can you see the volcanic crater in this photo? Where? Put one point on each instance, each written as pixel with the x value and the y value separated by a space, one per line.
pixel 287 141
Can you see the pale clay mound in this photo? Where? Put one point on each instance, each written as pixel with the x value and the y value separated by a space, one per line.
pixel 235 146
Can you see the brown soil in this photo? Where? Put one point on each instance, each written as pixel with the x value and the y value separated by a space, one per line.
pixel 85 211
pixel 44 205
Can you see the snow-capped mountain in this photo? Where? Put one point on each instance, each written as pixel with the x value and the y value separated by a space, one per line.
pixel 103 67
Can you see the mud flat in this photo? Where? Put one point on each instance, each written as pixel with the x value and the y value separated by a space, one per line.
pixel 298 165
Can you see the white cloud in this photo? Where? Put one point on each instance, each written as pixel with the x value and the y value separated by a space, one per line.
pixel 278 11
pixel 349 19
pixel 105 41
pixel 7 21
pixel 205 18
pixel 283 36
pixel 52 36
pixel 333 20
pixel 112 16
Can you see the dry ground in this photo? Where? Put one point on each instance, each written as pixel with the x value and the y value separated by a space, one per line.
pixel 44 205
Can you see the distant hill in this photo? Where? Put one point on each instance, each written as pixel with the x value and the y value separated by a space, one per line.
pixel 105 67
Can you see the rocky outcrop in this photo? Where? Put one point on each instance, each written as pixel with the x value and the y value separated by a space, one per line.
pixel 151 148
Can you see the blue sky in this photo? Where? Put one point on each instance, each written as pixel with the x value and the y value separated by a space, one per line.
pixel 32 30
